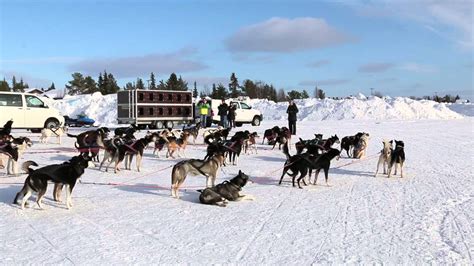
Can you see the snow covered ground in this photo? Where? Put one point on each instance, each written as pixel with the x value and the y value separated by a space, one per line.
pixel 426 217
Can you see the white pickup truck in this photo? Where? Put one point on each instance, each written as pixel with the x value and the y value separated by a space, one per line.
pixel 244 114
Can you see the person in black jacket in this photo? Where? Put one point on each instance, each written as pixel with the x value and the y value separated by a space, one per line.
pixel 231 115
pixel 223 111
pixel 292 111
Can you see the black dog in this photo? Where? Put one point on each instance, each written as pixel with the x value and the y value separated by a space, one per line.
pixel 348 143
pixel 322 146
pixel 301 163
pixel 271 134
pixel 226 191
pixel 6 130
pixel 398 157
pixel 303 144
pixel 235 145
pixel 62 174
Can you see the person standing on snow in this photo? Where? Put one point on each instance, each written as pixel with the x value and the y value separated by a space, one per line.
pixel 292 111
pixel 231 115
pixel 223 111
pixel 203 111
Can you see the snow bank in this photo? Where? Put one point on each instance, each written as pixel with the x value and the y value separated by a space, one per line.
pixel 103 108
pixel 358 108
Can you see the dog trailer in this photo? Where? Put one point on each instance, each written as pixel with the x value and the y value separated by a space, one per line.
pixel 154 108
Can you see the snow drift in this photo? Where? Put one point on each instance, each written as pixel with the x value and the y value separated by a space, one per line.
pixel 103 108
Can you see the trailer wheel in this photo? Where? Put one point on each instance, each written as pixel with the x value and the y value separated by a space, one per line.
pixel 169 124
pixel 159 124
pixel 152 125
pixel 141 126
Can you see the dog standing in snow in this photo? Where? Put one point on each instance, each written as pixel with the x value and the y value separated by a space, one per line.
pixel 51 132
pixel 385 156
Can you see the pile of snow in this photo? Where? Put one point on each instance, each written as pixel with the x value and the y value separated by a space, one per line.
pixel 103 109
pixel 359 107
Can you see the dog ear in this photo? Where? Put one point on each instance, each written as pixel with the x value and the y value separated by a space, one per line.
pixel 240 172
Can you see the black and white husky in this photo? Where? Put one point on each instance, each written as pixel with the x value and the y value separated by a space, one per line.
pixel 397 158
pixel 60 174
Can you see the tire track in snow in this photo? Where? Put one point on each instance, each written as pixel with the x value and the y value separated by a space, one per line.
pixel 259 228
pixel 349 192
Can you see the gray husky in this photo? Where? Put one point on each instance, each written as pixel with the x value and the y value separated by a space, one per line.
pixel 207 168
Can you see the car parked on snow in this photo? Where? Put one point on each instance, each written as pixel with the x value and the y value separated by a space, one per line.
pixel 244 114
pixel 28 111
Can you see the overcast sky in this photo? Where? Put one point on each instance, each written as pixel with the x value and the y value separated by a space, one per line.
pixel 400 48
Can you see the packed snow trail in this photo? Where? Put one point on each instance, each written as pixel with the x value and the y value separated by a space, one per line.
pixel 426 217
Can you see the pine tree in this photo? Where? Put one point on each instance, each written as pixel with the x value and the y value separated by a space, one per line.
pixel 140 84
pixel 221 92
pixel 294 94
pixel 112 86
pixel 52 87
pixel 195 91
pixel 152 82
pixel 214 91
pixel 14 84
pixel 129 86
pixel 250 88
pixel 233 86
pixel 182 85
pixel 4 85
pixel 319 94
pixel 100 83
pixel 304 95
pixel 90 86
pixel 172 83
pixel 161 86
pixel 76 85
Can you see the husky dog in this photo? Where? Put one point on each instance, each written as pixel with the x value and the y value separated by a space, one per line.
pixel 127 151
pixel 301 163
pixel 63 174
pixel 210 131
pixel 91 141
pixel 177 145
pixel 111 151
pixel 193 131
pixel 251 143
pixel 349 142
pixel 12 151
pixel 207 168
pixel 226 191
pixel 6 130
pixel 385 155
pixel 397 157
pixel 360 149
pixel 271 134
pixel 304 143
pixel 51 132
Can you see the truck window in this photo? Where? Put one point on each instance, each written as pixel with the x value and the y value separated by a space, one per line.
pixel 33 101
pixel 235 104
pixel 244 106
pixel 11 100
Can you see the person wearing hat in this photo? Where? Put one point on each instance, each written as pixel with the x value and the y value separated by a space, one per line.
pixel 203 107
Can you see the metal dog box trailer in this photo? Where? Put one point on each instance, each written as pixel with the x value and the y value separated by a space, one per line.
pixel 154 108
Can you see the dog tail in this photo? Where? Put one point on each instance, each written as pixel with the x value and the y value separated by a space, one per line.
pixel 26 166
pixel 286 150
pixel 71 135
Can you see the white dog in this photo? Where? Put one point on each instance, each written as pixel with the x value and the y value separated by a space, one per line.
pixel 384 157
pixel 51 132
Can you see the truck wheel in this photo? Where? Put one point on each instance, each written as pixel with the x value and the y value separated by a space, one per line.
pixel 256 121
pixel 169 124
pixel 51 123
pixel 237 124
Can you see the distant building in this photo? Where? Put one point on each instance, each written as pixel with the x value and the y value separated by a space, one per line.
pixel 35 91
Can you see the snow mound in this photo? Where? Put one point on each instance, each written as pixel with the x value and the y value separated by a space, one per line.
pixel 103 109
pixel 399 108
